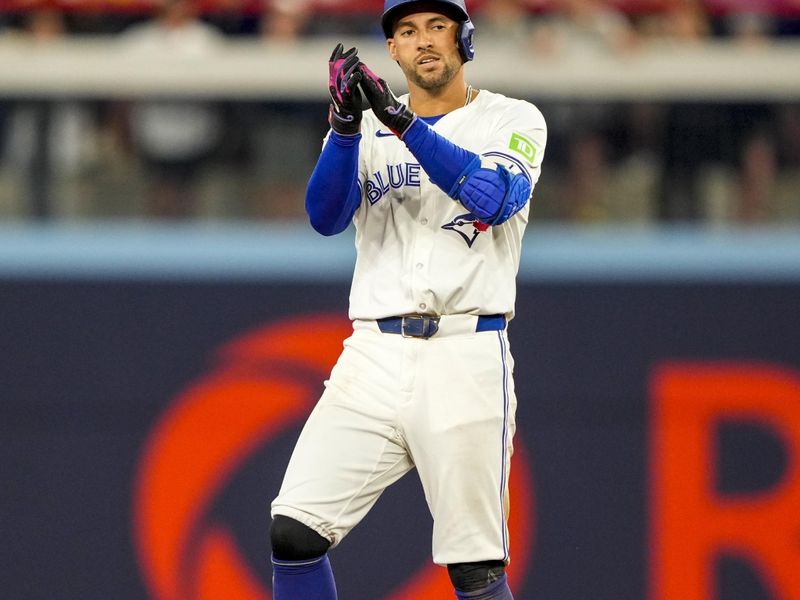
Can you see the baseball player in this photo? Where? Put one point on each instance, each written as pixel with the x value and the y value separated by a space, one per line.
pixel 437 183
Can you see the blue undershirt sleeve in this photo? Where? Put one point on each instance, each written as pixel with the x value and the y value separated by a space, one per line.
pixel 493 195
pixel 445 163
pixel 333 193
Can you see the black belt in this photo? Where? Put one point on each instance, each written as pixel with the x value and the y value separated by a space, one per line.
pixel 424 326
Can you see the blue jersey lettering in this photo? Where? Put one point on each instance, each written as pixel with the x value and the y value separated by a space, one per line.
pixel 392 177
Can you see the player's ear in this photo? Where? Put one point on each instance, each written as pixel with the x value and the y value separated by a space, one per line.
pixel 392 49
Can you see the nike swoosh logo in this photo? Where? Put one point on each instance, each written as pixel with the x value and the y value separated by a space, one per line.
pixel 380 133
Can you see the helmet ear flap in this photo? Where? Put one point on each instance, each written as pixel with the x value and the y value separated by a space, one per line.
pixel 466 40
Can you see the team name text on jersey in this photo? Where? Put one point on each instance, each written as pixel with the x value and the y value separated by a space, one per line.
pixel 392 177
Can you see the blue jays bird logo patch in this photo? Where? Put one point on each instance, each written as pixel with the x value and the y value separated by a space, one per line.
pixel 467 226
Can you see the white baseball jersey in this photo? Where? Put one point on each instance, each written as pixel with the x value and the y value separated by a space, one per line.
pixel 419 251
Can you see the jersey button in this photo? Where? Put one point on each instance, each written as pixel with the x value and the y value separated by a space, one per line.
pixel 419 266
pixel 424 221
pixel 422 306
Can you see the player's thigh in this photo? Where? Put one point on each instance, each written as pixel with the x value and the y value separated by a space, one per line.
pixel 462 447
pixel 348 451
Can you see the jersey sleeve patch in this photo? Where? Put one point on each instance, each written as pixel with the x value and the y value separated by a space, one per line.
pixel 524 146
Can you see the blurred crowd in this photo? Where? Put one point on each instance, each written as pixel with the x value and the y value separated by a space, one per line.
pixel 189 158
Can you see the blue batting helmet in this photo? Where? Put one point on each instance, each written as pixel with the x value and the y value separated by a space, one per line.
pixel 455 9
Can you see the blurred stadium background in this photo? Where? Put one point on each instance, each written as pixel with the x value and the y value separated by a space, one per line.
pixel 167 316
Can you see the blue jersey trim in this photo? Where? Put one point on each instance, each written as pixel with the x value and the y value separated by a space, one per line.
pixel 523 169
pixel 431 120
pixel 504 443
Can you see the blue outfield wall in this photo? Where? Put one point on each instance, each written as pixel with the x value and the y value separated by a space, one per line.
pixel 154 379
pixel 218 250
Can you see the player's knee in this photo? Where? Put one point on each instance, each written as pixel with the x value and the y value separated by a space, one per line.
pixel 291 540
pixel 471 577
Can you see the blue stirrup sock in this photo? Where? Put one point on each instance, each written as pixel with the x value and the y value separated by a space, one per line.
pixel 497 590
pixel 303 579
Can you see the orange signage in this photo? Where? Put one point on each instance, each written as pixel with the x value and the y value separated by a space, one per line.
pixel 692 524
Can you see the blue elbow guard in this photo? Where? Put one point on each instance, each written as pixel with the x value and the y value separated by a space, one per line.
pixel 494 195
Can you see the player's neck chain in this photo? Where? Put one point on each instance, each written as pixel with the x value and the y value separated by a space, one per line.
pixel 467 99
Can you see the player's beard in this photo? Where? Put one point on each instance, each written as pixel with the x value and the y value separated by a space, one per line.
pixel 432 82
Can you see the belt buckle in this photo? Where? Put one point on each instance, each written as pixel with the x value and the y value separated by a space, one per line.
pixel 418 326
